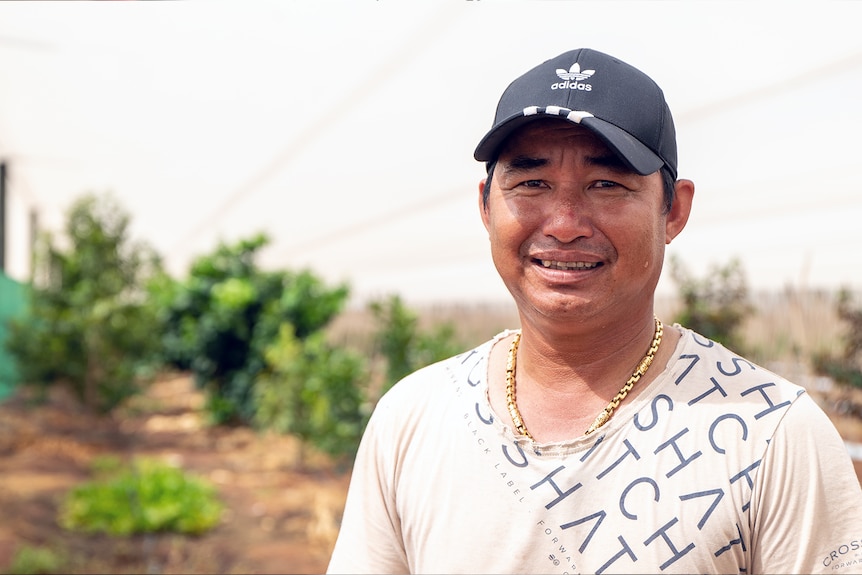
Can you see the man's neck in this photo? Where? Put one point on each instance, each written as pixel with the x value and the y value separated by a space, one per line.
pixel 563 380
pixel 587 351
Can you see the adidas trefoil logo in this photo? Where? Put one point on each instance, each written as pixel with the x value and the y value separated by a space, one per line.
pixel 573 78
pixel 574 73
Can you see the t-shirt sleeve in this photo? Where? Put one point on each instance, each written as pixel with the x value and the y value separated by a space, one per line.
pixel 807 502
pixel 369 540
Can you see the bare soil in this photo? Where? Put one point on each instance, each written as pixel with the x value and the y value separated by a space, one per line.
pixel 282 507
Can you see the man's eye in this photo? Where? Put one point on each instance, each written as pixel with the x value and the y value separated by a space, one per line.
pixel 532 183
pixel 606 184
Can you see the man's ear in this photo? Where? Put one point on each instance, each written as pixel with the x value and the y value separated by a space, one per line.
pixel 680 210
pixel 483 209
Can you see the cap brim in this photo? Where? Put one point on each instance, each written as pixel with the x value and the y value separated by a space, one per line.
pixel 636 155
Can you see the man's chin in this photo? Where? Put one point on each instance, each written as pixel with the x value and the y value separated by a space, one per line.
pixel 565 304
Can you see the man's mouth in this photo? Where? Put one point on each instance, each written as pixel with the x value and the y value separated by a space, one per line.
pixel 557 265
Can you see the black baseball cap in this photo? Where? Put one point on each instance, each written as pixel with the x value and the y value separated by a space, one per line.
pixel 623 106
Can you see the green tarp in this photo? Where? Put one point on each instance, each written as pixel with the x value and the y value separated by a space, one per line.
pixel 13 301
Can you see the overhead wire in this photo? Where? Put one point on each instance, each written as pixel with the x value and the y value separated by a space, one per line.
pixel 15 42
pixel 399 58
pixel 796 81
pixel 373 222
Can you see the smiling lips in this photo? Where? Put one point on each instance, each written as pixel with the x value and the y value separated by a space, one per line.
pixel 557 265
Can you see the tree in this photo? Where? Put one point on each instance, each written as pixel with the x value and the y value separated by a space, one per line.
pixel 716 305
pixel 323 394
pixel 89 323
pixel 221 320
pixel 404 345
pixel 314 391
pixel 845 368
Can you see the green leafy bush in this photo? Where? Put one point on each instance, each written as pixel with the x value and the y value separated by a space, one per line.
pixel 716 305
pixel 314 391
pixel 220 321
pixel 147 497
pixel 30 560
pixel 323 394
pixel 404 345
pixel 89 322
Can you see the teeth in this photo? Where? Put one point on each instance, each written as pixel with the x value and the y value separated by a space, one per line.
pixel 569 265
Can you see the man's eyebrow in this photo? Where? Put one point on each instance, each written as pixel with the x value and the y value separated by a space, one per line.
pixel 523 164
pixel 526 163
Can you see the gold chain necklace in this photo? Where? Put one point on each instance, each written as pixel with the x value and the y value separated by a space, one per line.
pixel 606 413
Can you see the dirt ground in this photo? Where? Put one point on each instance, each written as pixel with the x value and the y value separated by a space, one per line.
pixel 281 517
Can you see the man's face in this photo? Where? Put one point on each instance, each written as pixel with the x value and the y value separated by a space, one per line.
pixel 574 233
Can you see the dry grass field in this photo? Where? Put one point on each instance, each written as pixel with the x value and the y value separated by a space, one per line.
pixel 784 327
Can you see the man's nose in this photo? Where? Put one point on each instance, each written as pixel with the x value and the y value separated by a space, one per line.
pixel 568 221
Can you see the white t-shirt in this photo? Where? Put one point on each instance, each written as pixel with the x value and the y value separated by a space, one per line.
pixel 718 466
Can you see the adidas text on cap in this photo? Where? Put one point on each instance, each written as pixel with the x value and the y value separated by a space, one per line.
pixel 623 106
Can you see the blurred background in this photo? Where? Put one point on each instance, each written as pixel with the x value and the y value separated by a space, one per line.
pixel 226 228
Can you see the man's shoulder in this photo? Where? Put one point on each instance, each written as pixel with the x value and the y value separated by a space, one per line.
pixel 438 377
pixel 699 351
pixel 704 371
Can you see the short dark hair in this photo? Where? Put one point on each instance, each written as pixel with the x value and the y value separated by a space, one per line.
pixel 668 183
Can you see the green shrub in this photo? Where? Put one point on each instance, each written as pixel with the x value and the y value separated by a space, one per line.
pixel 846 367
pixel 88 322
pixel 30 560
pixel 314 391
pixel 716 305
pixel 322 394
pixel 220 321
pixel 146 497
pixel 404 345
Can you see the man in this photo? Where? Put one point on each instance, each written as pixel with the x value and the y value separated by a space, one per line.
pixel 595 439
